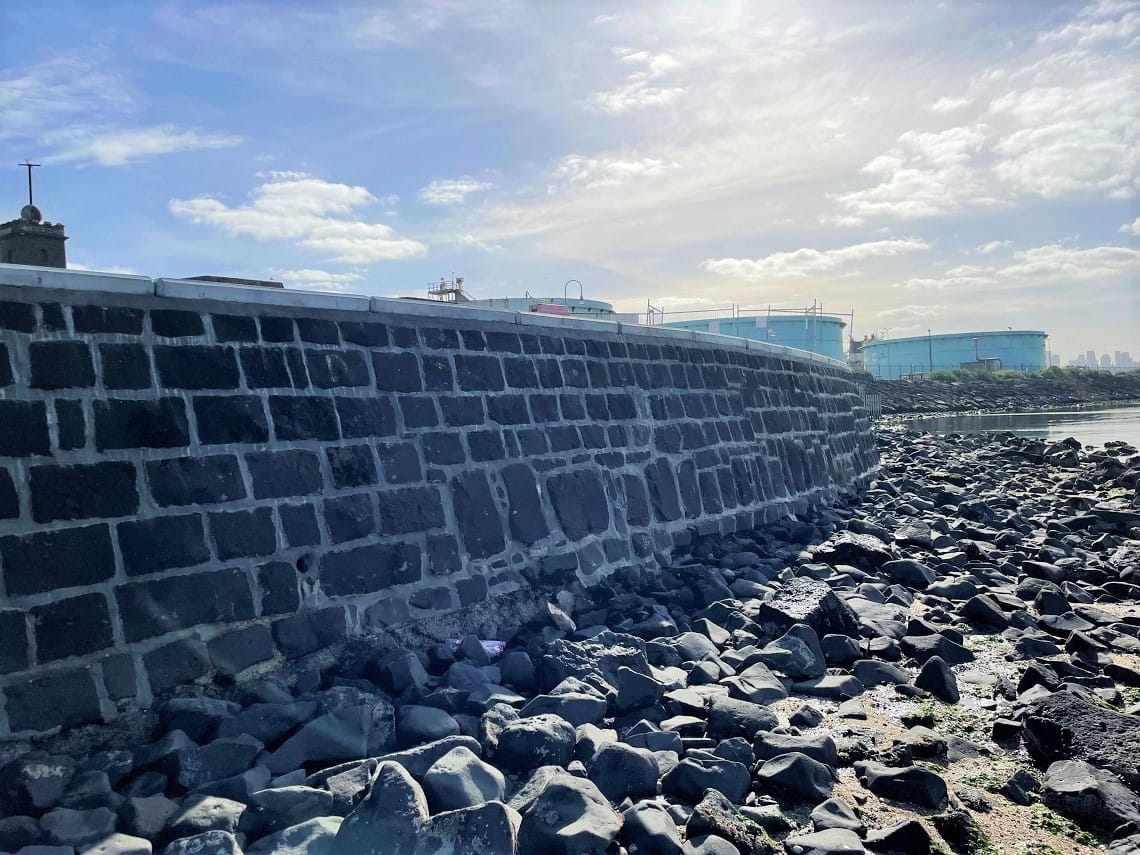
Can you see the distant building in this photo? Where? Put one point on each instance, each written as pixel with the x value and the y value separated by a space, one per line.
pixel 1055 360
pixel 1105 361
pixel 918 356
pixel 28 240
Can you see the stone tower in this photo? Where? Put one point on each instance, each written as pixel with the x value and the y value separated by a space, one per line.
pixel 28 240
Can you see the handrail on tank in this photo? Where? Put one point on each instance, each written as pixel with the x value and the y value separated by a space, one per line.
pixel 566 290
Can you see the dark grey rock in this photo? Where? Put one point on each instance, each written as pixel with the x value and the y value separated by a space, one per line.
pixel 797 775
pixel 729 717
pixel 807 601
pixel 836 813
pixel 690 778
pixel 1089 795
pixel 388 820
pixel 1065 726
pixel 936 677
pixel 542 740
pixel 620 770
pixel 649 827
pixel 206 843
pixel 833 841
pixel 912 784
pixel 459 779
pixel 563 814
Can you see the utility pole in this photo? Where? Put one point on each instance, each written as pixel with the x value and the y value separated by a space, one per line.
pixel 930 349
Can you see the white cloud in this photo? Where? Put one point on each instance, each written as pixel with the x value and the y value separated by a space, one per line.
pixel 993 246
pixel 295 206
pixel 59 91
pixel 1132 227
pixel 805 262
pixel 911 312
pixel 638 91
pixel 1039 267
pixel 477 243
pixel 120 147
pixel 946 104
pixel 451 191
pixel 126 271
pixel 317 280
pixel 606 171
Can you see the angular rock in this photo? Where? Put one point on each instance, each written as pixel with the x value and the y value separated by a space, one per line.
pixel 807 601
pixel 649 827
pixel 911 784
pixel 206 843
pixel 1065 726
pixel 936 677
pixel 797 775
pixel 564 815
pixel 690 778
pixel 620 770
pixel 459 779
pixel 388 820
pixel 1089 795
pixel 541 740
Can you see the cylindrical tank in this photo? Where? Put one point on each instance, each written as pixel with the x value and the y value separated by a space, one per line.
pixel 821 334
pixel 1010 350
pixel 577 306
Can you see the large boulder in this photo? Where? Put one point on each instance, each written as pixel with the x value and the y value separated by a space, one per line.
pixel 564 815
pixel 1089 795
pixel 1065 726
pixel 807 601
pixel 864 551
pixel 599 656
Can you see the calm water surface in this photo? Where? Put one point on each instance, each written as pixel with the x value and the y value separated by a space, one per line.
pixel 1090 425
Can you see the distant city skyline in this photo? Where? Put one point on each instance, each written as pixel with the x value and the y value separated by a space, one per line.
pixel 949 166
pixel 1118 360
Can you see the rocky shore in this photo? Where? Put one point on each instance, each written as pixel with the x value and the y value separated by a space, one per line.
pixel 1042 391
pixel 952 664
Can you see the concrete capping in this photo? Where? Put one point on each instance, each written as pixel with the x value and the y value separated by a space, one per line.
pixel 189 289
pixel 198 291
pixel 25 276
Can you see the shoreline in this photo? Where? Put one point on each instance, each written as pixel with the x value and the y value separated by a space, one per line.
pixel 890 673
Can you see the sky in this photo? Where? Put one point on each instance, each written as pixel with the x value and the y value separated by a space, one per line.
pixel 929 166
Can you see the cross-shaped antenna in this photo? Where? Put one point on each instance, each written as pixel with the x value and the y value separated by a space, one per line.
pixel 29 166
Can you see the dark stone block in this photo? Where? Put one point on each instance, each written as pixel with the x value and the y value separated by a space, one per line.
pixel 303 417
pixel 508 409
pixel 276 329
pixel 25 428
pixel 574 373
pixel 125 366
pixel 663 490
pixel 621 406
pixel 527 522
pixel 240 534
pixel 159 606
pixel 549 373
pixel 486 445
pixel 107 319
pixel 410 509
pixel 440 339
pixel 317 331
pixel 14 650
pixel 298 375
pixel 234 328
pixel 72 627
pixel 520 373
pixel 636 500
pixel 563 437
pixel 349 517
pixel 479 373
pixel 473 340
pixel 418 412
pixel 196 366
pixel 596 407
pixel 593 436
pixel 532 442
pixel 5 367
pixel 59 699
pixel 442 554
pixel 366 417
pixel 443 448
pixel 369 335
pixel 368 569
pixel 52 317
pixel 458 412
pixel 710 493
pixel 235 651
pixel 331 368
pixel 438 376
pixel 162 543
pixel 20 317
pixel 544 408
pixel 400 462
pixel 573 407
pixel 195 480
pixel 690 490
pixel 172 323
pixel 432 599
pixel 176 664
pixel 119 677
pixel 303 634
pixel 277 581
pixel 472 590
pixel 223 419
pixel 160 423
pixel 71 424
pixel 61 365
pixel 50 560
pixel 579 502
pixel 397 372
pixel 501 341
pixel 284 473
pixel 299 525
pixel 81 492
pixel 351 466
pixel 477 515
pixel 9 501
pixel 264 368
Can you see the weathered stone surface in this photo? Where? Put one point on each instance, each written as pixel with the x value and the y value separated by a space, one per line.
pixel 807 601
pixel 1065 726
pixel 563 814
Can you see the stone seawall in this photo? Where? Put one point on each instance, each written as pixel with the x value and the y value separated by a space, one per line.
pixel 196 479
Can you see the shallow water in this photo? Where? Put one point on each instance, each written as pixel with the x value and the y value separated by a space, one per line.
pixel 1092 425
